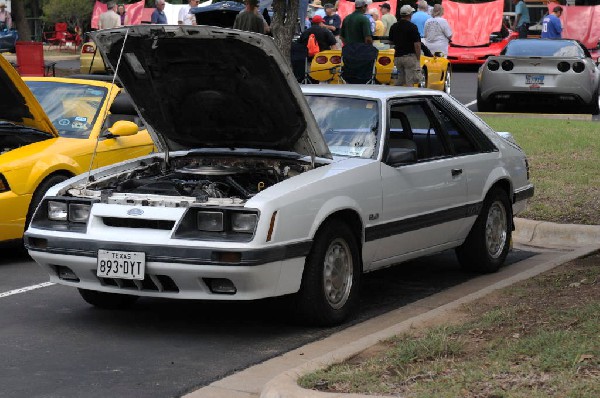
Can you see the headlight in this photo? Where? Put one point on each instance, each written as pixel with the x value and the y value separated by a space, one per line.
pixel 210 221
pixel 79 212
pixel 243 222
pixel 57 211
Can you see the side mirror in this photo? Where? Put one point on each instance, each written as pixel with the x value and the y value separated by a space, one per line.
pixel 399 156
pixel 122 128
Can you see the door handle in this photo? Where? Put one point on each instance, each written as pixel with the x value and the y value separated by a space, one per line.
pixel 456 172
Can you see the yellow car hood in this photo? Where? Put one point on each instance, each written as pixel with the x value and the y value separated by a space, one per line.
pixel 17 103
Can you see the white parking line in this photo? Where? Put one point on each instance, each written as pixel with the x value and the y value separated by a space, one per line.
pixel 471 103
pixel 26 289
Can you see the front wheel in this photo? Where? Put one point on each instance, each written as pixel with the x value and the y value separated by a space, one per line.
pixel 488 242
pixel 109 301
pixel 329 291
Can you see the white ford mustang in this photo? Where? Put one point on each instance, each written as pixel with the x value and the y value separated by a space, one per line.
pixel 256 196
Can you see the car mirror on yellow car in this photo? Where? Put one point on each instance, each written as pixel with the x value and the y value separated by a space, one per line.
pixel 122 128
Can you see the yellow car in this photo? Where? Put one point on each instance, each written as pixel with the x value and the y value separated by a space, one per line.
pixel 49 130
pixel 437 71
pixel 90 60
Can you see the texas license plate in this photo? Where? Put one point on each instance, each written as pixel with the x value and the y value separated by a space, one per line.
pixel 534 79
pixel 123 265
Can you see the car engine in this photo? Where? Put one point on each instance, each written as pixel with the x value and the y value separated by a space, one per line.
pixel 187 180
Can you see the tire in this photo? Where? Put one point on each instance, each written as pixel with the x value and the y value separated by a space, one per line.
pixel 45 185
pixel 108 301
pixel 488 242
pixel 593 107
pixel 447 80
pixel 424 78
pixel 483 105
pixel 330 283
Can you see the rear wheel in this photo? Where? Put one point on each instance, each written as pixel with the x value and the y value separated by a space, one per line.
pixel 484 105
pixel 329 291
pixel 424 78
pixel 593 107
pixel 488 242
pixel 109 301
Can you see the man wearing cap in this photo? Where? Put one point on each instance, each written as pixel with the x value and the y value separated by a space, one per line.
pixel 315 8
pixel 387 18
pixel 551 25
pixel 109 19
pixel 405 37
pixel 333 22
pixel 356 28
pixel 5 18
pixel 184 17
pixel 249 19
pixel 322 34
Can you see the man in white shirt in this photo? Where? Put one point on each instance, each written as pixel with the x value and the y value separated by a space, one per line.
pixel 109 19
pixel 185 18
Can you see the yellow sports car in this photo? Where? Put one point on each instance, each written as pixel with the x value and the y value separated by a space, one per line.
pixel 49 130
pixel 90 60
pixel 437 71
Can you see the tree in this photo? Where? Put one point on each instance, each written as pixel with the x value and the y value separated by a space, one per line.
pixel 20 21
pixel 284 24
pixel 76 13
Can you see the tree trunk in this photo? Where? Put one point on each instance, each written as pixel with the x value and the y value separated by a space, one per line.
pixel 285 22
pixel 18 14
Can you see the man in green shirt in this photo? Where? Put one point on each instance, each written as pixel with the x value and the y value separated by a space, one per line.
pixel 355 27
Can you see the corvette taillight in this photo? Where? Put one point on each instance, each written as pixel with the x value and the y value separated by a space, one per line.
pixel 336 60
pixel 88 49
pixel 578 67
pixel 493 65
pixel 563 66
pixel 321 59
pixel 507 65
pixel 385 61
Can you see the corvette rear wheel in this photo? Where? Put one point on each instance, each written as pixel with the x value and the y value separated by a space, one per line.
pixel 484 105
pixel 447 80
pixel 488 242
pixel 329 291
pixel 424 78
pixel 108 301
pixel 593 107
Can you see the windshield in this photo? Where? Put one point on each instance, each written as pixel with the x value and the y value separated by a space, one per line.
pixel 543 48
pixel 72 108
pixel 349 125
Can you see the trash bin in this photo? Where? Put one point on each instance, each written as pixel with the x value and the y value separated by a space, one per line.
pixel 30 58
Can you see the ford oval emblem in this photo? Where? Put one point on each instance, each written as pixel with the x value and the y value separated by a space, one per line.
pixel 135 212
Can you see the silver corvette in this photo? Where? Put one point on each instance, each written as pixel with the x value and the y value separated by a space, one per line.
pixel 543 71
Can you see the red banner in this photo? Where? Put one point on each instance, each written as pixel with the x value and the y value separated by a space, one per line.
pixel 580 23
pixel 472 24
pixel 133 12
pixel 346 7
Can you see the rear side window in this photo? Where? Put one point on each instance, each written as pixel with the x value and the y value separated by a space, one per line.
pixel 461 141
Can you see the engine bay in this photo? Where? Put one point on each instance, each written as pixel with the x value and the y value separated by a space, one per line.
pixel 191 179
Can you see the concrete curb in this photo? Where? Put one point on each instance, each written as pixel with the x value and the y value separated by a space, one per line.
pixel 53 58
pixel 285 385
pixel 567 116
pixel 548 234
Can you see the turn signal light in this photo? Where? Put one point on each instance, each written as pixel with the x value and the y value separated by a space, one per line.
pixel 88 49
pixel 385 61
pixel 563 66
pixel 321 59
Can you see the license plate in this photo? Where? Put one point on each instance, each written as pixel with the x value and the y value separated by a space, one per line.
pixel 534 79
pixel 123 265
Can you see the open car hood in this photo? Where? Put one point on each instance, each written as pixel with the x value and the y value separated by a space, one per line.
pixel 17 103
pixel 207 87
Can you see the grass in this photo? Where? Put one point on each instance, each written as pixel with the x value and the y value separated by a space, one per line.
pixel 538 338
pixel 563 158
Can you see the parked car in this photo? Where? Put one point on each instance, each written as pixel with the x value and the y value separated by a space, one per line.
pixel 437 71
pixel 90 60
pixel 41 145
pixel 8 40
pixel 270 190
pixel 540 70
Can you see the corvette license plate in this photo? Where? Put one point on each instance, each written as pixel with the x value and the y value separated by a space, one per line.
pixel 534 79
pixel 123 265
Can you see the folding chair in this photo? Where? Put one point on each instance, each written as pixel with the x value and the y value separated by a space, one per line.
pixel 358 61
pixel 300 65
pixel 57 37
